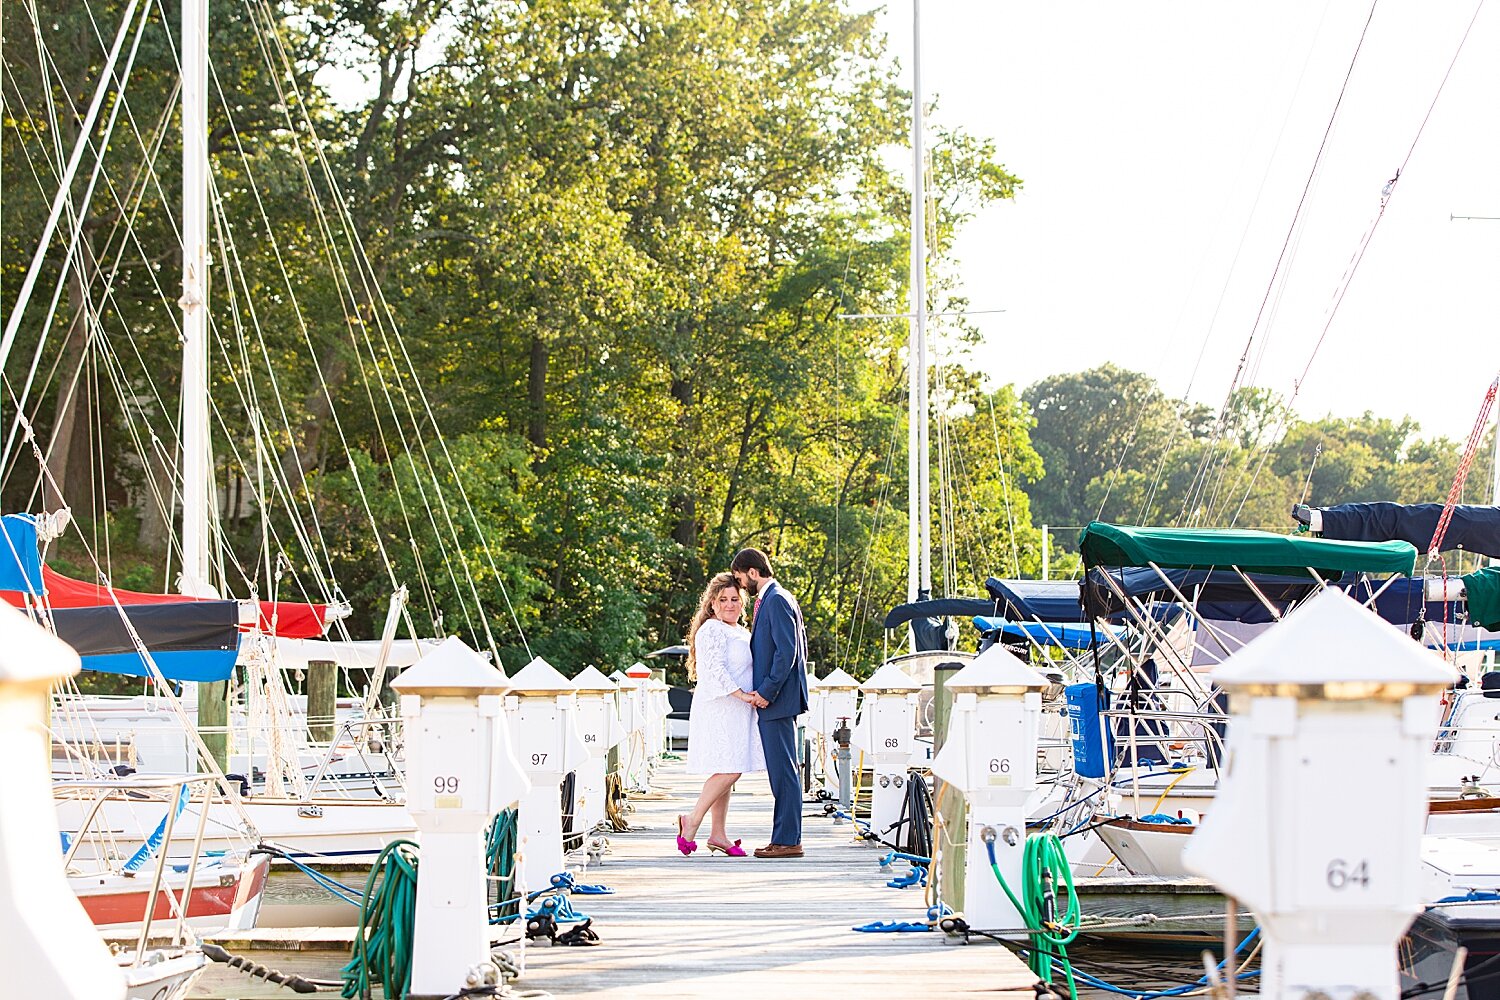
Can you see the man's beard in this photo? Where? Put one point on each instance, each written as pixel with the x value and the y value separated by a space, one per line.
pixel 752 587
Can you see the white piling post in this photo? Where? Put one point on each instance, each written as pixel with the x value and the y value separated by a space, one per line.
pixel 632 748
pixel 599 722
pixel 460 771
pixel 990 755
pixel 837 698
pixel 544 717
pixel 658 707
pixel 886 732
pixel 48 945
pixel 1317 825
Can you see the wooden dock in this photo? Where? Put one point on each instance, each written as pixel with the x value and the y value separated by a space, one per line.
pixel 713 927
pixel 721 928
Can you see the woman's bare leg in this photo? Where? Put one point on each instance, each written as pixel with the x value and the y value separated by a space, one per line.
pixel 719 810
pixel 714 788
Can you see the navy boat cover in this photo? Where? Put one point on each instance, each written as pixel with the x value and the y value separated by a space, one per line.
pixel 1474 528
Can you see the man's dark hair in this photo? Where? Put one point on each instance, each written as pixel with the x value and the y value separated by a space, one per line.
pixel 747 559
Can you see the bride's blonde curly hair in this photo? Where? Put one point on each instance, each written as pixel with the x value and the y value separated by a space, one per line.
pixel 716 586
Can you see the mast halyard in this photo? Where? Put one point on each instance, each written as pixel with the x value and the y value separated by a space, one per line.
pixel 196 459
pixel 919 531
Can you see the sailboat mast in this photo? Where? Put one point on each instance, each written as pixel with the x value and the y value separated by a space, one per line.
pixel 194 301
pixel 919 541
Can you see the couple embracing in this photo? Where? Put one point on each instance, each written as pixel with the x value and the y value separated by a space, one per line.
pixel 750 686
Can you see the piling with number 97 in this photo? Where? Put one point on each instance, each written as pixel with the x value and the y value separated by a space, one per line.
pixel 543 709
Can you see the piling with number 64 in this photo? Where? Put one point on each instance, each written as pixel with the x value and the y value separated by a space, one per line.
pixel 1317 824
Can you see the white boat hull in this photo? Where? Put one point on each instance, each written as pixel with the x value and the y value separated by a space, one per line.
pixel 319 830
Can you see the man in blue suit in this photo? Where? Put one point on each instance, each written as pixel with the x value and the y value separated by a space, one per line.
pixel 778 654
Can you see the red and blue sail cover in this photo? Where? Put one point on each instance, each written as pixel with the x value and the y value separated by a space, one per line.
pixel 189 639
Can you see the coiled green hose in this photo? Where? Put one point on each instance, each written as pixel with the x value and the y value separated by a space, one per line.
pixel 1042 862
pixel 387 917
pixel 500 862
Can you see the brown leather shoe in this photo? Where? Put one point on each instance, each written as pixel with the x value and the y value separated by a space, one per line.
pixel 779 851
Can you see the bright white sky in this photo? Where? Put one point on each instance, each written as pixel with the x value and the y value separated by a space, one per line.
pixel 1164 147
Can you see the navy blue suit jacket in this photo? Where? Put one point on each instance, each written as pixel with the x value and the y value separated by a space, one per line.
pixel 778 654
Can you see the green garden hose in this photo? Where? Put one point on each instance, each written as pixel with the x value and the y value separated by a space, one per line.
pixel 387 917
pixel 500 863
pixel 1042 862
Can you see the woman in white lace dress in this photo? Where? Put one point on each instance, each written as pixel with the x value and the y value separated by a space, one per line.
pixel 723 740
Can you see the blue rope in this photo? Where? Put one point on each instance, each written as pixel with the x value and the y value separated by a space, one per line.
pixel 567 882
pixel 917 876
pixel 323 881
pixel 915 859
pixel 1472 896
pixel 1175 991
pixel 561 910
pixel 891 927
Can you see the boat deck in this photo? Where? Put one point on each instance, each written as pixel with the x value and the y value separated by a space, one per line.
pixel 716 927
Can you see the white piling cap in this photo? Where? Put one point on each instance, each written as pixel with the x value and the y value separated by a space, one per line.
pixel 889 679
pixel 839 680
pixel 29 654
pixel 540 677
pixel 591 681
pixel 996 671
pixel 1333 647
pixel 453 669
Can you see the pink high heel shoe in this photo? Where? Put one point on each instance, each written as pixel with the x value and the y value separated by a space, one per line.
pixel 683 844
pixel 733 850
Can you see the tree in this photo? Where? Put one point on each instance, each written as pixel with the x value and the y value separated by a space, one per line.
pixel 1089 425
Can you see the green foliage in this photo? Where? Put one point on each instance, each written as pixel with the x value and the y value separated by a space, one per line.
pixel 578 266
pixel 1117 450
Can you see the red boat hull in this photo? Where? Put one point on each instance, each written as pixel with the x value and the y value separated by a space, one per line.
pixel 107 909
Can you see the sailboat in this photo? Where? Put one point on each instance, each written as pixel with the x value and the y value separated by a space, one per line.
pixel 292 814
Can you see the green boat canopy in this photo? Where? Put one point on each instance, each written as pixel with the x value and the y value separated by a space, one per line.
pixel 1482 591
pixel 1252 551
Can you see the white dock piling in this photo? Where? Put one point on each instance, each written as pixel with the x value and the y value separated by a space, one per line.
pixel 1318 822
pixel 460 772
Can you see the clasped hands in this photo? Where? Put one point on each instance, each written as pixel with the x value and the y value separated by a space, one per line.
pixel 752 698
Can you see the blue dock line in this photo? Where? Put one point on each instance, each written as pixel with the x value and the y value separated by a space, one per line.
pixel 567 882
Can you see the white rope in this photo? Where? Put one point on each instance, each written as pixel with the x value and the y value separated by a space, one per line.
pixel 33 271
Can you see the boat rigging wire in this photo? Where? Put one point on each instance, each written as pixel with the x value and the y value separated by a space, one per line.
pixel 1193 497
pixel 18 309
pixel 1348 277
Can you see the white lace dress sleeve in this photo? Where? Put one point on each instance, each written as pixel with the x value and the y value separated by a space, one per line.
pixel 712 647
pixel 722 734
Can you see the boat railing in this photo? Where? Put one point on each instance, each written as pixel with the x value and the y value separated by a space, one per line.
pixel 175 788
pixel 1208 736
pixel 358 733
